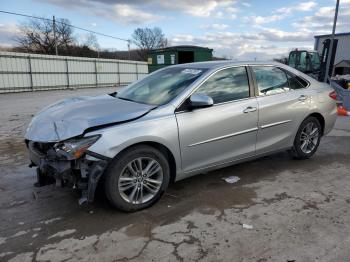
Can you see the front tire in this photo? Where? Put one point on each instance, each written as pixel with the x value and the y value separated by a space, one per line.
pixel 307 138
pixel 137 178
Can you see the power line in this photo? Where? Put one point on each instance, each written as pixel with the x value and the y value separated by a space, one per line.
pixel 80 28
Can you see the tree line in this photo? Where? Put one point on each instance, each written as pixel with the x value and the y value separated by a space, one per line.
pixel 37 36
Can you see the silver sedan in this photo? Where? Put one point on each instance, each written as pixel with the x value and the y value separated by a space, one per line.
pixel 175 123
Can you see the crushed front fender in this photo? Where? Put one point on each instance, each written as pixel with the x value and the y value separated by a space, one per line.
pixel 83 173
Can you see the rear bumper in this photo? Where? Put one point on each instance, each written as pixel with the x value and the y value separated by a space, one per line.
pixel 83 173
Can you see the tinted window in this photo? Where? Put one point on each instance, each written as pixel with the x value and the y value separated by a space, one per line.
pixel 162 86
pixel 293 82
pixel 292 59
pixel 226 85
pixel 270 80
pixel 303 65
pixel 303 82
pixel 315 60
pixel 296 82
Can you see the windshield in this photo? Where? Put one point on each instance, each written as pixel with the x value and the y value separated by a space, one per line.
pixel 161 87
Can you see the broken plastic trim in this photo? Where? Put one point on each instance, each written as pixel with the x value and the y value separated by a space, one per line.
pixel 95 173
pixel 62 170
pixel 96 155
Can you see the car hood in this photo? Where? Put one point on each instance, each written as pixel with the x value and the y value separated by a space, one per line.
pixel 71 117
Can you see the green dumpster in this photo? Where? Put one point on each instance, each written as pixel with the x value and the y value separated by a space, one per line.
pixel 173 55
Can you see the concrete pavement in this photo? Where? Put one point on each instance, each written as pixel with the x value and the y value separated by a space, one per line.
pixel 298 210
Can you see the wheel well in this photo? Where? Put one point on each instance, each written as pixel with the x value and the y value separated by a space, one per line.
pixel 165 151
pixel 320 118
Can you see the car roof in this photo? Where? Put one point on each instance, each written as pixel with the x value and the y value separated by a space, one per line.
pixel 223 63
pixel 214 65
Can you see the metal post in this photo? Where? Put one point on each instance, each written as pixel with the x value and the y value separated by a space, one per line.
pixel 332 41
pixel 30 73
pixel 137 71
pixel 67 70
pixel 118 68
pixel 96 78
pixel 129 48
pixel 54 34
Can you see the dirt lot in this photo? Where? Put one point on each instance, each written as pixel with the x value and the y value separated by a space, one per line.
pixel 298 210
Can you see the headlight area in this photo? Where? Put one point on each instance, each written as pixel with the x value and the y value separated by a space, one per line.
pixel 69 164
pixel 76 147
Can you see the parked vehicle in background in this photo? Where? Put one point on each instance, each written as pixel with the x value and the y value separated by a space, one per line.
pixel 313 63
pixel 175 123
pixel 307 62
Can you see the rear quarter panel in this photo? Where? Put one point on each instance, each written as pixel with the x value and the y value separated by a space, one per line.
pixel 322 103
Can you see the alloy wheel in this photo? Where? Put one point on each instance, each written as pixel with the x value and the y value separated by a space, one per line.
pixel 140 180
pixel 309 138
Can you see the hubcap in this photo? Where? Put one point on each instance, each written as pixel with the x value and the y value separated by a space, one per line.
pixel 309 138
pixel 140 180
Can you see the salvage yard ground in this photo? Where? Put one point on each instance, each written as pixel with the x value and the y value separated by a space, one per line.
pixel 291 210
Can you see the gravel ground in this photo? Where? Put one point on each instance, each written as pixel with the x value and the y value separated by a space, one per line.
pixel 279 210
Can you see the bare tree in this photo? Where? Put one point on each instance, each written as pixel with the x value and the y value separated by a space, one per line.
pixel 37 36
pixel 92 42
pixel 147 39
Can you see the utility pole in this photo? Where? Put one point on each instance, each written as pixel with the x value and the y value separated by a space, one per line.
pixel 129 48
pixel 327 76
pixel 54 34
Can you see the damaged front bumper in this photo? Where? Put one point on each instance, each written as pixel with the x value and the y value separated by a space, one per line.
pixel 53 167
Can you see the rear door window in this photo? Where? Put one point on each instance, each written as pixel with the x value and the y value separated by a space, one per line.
pixel 271 80
pixel 296 82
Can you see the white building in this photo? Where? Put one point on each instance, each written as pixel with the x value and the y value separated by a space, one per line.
pixel 343 47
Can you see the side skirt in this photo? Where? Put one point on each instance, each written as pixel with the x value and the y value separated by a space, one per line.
pixel 226 164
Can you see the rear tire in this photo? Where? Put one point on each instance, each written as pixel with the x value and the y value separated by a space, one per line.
pixel 137 178
pixel 307 139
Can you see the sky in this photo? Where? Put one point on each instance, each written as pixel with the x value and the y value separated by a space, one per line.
pixel 239 30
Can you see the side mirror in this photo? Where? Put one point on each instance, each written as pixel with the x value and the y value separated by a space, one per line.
pixel 200 101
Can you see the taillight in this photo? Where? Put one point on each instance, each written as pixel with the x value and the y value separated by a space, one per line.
pixel 333 95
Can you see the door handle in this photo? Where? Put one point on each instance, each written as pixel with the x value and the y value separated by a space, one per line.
pixel 249 109
pixel 302 98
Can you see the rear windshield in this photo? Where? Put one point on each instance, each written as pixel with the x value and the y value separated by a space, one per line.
pixel 161 87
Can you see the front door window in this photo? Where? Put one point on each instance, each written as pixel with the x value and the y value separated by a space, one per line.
pixel 226 85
